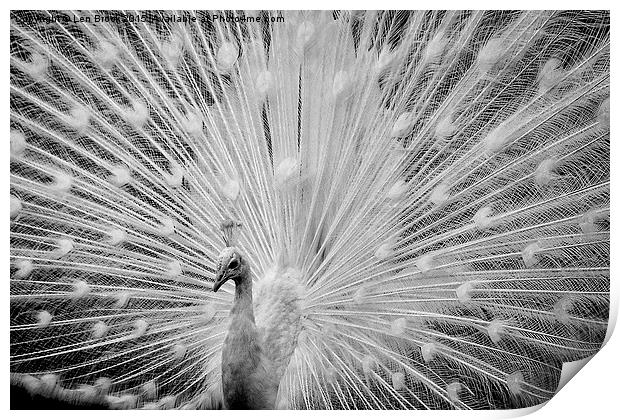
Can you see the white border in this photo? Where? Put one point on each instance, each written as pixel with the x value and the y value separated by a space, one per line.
pixel 593 395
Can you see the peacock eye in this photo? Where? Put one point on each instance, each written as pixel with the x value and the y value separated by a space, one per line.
pixel 233 264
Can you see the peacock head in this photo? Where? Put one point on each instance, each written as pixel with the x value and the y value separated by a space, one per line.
pixel 231 266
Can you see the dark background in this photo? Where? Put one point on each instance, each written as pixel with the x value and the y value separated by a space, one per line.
pixel 22 400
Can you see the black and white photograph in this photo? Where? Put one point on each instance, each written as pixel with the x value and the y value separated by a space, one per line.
pixel 306 209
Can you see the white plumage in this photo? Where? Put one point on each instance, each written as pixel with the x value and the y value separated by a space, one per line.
pixel 424 199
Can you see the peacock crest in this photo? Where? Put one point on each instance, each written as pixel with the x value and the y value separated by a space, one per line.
pixel 424 198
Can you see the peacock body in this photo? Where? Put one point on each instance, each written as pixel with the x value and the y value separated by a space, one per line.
pixel 424 200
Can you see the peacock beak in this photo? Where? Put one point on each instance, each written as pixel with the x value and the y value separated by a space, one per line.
pixel 220 279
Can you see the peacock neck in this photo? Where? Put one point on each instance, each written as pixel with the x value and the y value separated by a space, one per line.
pixel 243 305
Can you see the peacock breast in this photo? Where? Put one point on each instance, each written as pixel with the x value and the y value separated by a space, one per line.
pixel 247 377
